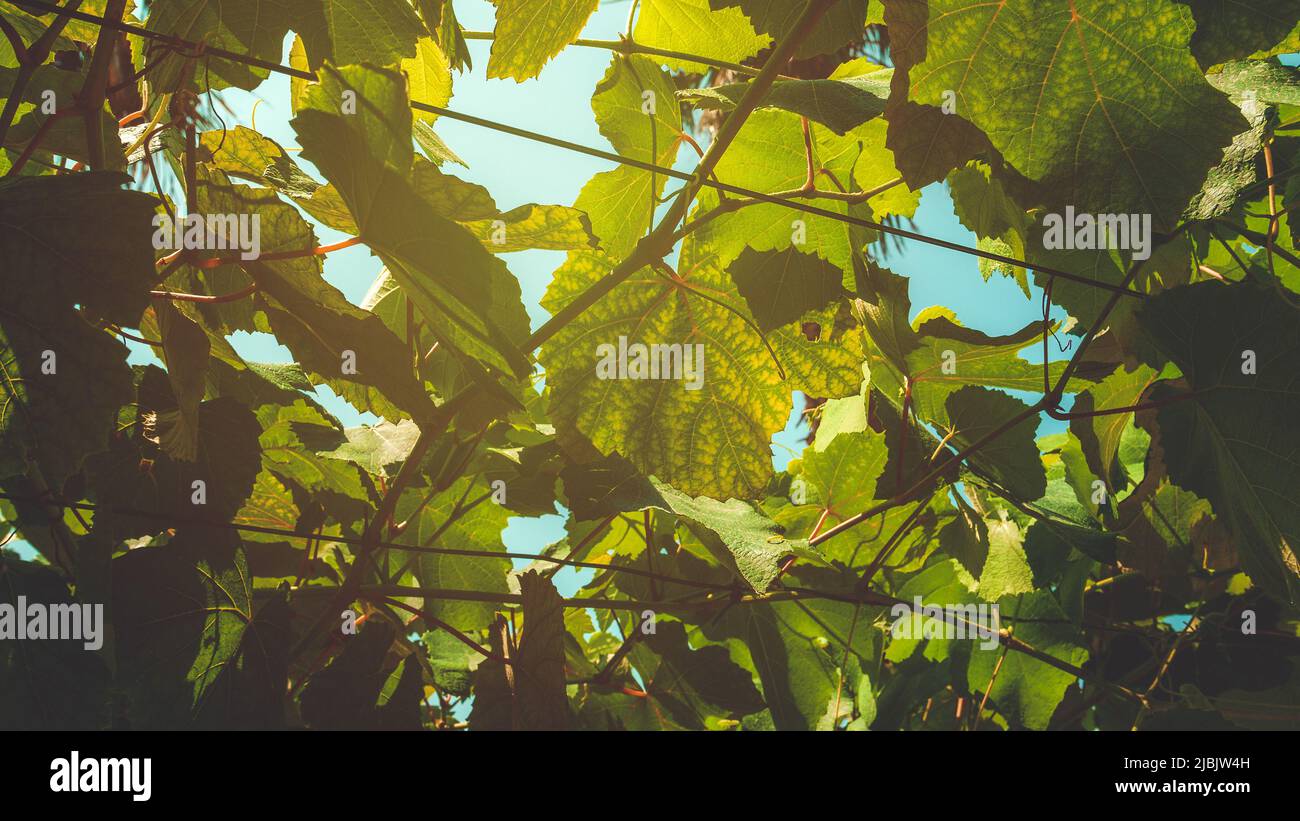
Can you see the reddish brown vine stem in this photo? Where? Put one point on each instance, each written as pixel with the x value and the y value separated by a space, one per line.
pixel 215 262
pixel 95 89
pixel 15 42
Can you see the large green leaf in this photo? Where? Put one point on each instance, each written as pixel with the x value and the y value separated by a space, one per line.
pixel 312 318
pixel 180 613
pixel 768 155
pixel 530 694
pixel 251 27
pixel 736 532
pixel 65 136
pixel 465 294
pixel 360 690
pixel 245 154
pixel 781 286
pixel 1101 435
pixel 1012 458
pixel 940 355
pixel 1234 442
pixel 685 688
pixel 134 476
pixel 739 534
pixel 1045 82
pixel 354 31
pixel 797 648
pixel 50 685
pixel 712 440
pixel 1025 688
pixel 843 473
pixel 75 241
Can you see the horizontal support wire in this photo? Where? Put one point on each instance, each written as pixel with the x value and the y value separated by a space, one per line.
pixel 470 119
pixel 358 541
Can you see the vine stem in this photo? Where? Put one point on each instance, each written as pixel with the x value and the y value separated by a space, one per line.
pixel 727 206
pixel 892 544
pixel 789 594
pixel 355 541
pixel 214 262
pixel 629 641
pixel 95 89
pixel 759 196
pixel 15 42
pixel 437 623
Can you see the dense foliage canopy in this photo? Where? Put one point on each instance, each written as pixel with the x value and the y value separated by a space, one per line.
pixel 1131 163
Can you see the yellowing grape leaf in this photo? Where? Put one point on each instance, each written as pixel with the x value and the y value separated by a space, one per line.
pixel 708 440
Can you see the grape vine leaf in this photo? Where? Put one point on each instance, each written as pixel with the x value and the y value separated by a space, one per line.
pixel 1134 135
pixel 530 694
pixel 135 475
pixel 357 690
pixel 1100 435
pixel 843 473
pixel 311 317
pixel 354 31
pixel 685 688
pixel 1234 441
pixel 709 441
pixel 180 613
pixel 1025 688
pixel 63 378
pixel 738 533
pixel 781 286
pixel 840 104
pixel 1012 458
pixel 377 447
pixel 1231 29
pixel 245 26
pixel 62 135
pixel 461 290
pixel 540 700
pixel 796 647
pixel 428 77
